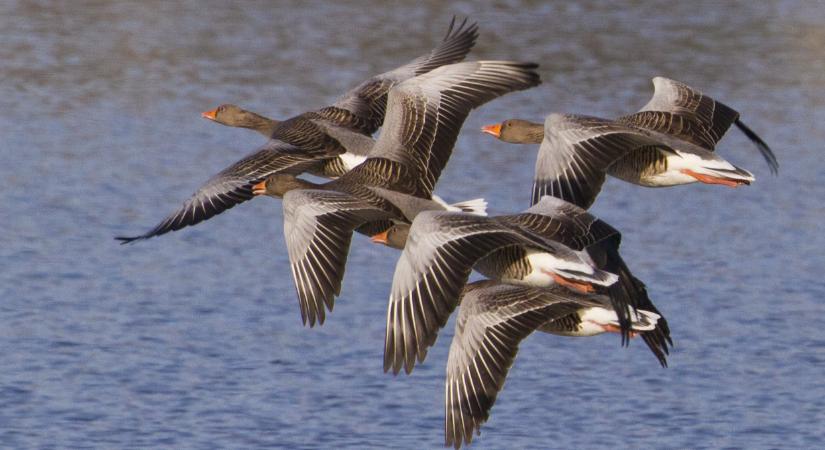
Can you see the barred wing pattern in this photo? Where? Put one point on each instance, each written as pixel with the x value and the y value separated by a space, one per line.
pixel 318 227
pixel 564 222
pixel 493 319
pixel 434 266
pixel 679 110
pixel 425 113
pixel 231 186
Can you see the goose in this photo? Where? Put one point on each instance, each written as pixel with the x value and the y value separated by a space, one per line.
pixel 356 144
pixel 493 319
pixel 552 243
pixel 338 136
pixel 234 116
pixel 669 142
pixel 424 116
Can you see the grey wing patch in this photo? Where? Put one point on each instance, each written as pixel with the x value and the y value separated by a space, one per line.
pixel 425 113
pixel 558 220
pixel 369 99
pixel 576 153
pixel 318 227
pixel 493 319
pixel 231 187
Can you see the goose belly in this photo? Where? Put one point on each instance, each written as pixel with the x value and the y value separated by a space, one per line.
pixel 541 265
pixel 678 163
pixel 673 175
pixel 650 167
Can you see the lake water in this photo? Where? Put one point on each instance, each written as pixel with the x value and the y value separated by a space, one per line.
pixel 194 339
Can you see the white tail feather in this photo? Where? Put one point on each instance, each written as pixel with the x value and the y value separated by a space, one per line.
pixel 477 206
pixel 640 320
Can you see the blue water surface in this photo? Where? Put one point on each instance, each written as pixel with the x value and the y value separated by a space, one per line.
pixel 194 339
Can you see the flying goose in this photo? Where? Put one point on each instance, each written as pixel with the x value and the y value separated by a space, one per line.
pixel 318 225
pixel 553 242
pixel 356 144
pixel 338 135
pixel 669 142
pixel 493 319
pixel 424 115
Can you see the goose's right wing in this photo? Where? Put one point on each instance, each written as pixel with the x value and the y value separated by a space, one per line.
pixel 318 227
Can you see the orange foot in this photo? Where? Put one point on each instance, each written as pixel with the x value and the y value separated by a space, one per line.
pixel 579 286
pixel 610 328
pixel 709 179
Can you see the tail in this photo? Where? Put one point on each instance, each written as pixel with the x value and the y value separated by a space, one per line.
pixel 477 206
pixel 642 320
pixel 721 172
pixel 630 293
pixel 598 277
pixel 766 152
pixel 658 340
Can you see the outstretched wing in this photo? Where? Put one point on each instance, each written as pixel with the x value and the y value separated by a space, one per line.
pixel 425 113
pixel 493 319
pixel 231 186
pixel 564 222
pixel 681 111
pixel 318 227
pixel 367 102
pixel 576 151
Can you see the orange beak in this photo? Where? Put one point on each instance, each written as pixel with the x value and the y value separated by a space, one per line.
pixel 260 188
pixel 211 115
pixel 495 129
pixel 380 238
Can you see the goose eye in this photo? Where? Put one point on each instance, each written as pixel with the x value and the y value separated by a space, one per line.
pixel 222 108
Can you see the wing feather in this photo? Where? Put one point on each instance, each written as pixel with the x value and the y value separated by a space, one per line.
pixel 231 187
pixel 318 226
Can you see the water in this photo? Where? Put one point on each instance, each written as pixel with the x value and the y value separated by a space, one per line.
pixel 193 340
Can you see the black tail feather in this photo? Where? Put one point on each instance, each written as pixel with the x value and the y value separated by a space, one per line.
pixel 766 152
pixel 633 293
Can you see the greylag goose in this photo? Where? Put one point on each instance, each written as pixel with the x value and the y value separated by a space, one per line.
pixel 356 144
pixel 553 242
pixel 424 116
pixel 297 144
pixel 492 320
pixel 319 221
pixel 669 142
pixel 235 116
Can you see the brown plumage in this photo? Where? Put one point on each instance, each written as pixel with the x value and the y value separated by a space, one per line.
pixel 424 116
pixel 298 144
